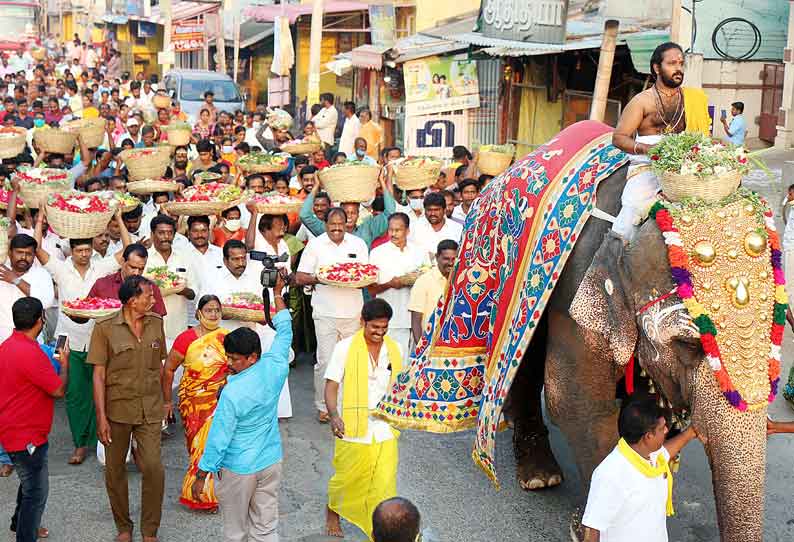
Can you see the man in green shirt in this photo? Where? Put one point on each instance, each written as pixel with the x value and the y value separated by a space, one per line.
pixel 370 229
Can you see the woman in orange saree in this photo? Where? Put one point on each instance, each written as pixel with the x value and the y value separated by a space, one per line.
pixel 199 350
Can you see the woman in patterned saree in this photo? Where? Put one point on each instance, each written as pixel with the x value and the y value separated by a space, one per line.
pixel 199 350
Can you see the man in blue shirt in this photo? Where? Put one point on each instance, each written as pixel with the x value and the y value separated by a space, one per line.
pixel 737 130
pixel 243 449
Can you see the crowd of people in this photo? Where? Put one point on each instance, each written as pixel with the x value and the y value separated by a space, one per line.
pixel 124 377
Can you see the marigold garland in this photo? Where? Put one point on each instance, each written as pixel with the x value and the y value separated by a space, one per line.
pixel 679 268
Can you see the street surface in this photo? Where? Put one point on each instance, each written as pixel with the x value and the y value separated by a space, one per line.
pixel 457 502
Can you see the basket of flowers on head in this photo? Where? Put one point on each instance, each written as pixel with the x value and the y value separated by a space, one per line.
pixel 301 146
pixel 12 141
pixel 37 184
pixel 55 140
pixel 5 196
pixel 178 132
pixel 274 203
pixel 415 173
pixel 92 131
pixel 205 199
pixel 263 162
pixel 152 186
pixel 692 165
pixel 495 159
pixel 78 215
pixel 350 181
pixel 149 163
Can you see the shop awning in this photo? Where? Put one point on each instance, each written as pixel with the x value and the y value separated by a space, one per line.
pixel 368 57
pixel 293 11
pixel 180 11
pixel 252 32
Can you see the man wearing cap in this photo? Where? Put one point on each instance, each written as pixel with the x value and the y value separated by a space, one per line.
pixel 133 132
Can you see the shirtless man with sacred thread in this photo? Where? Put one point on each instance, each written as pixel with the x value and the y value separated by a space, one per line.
pixel 665 108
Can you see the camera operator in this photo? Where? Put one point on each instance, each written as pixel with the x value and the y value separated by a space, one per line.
pixel 271 241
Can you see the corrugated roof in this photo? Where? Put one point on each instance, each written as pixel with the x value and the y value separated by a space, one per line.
pixel 252 32
pixel 293 11
pixel 532 49
pixel 179 11
pixel 420 46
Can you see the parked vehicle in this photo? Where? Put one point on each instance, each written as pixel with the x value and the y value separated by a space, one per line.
pixel 189 86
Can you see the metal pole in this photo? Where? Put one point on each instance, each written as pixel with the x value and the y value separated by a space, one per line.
pixel 598 106
pixel 315 46
pixel 236 40
pixel 165 10
pixel 220 42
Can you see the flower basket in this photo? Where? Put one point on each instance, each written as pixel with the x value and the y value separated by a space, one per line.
pixel 91 130
pixel 416 173
pixel 493 163
pixel 197 208
pixel 161 101
pixel 170 290
pixel 713 188
pixel 89 314
pixel 150 186
pixel 348 275
pixel 301 148
pixel 167 281
pixel 55 140
pixel 35 194
pixel 276 204
pixel 350 182
pixel 257 162
pixel 409 279
pixel 146 163
pixel 243 315
pixel 78 225
pixel 12 141
pixel 178 135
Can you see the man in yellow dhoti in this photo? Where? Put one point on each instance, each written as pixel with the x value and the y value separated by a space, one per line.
pixel 665 108
pixel 361 369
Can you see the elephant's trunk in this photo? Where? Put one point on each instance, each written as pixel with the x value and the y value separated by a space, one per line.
pixel 736 448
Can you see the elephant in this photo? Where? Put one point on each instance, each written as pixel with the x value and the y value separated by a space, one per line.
pixel 590 332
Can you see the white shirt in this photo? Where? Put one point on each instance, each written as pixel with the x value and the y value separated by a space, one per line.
pixel 624 505
pixel 325 122
pixel 425 236
pixel 223 283
pixel 304 234
pixel 71 286
pixel 377 386
pixel 788 232
pixel 175 304
pixel 412 216
pixel 393 262
pixel 458 214
pixel 334 301
pixel 347 142
pixel 53 244
pixel 204 265
pixel 8 295
pixel 41 286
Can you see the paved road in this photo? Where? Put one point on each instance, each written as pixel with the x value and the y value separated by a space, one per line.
pixel 457 501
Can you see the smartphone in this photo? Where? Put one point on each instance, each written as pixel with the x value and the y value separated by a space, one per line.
pixel 724 114
pixel 60 343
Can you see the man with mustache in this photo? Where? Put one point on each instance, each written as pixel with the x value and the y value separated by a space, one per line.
pixel 665 108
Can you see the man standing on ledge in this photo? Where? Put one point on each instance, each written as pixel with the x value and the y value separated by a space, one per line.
pixel 361 369
pixel 665 108
pixel 127 351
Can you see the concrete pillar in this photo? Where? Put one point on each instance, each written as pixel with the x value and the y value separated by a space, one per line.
pixel 785 117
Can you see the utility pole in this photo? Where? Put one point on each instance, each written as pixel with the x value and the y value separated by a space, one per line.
pixel 606 57
pixel 220 42
pixel 315 48
pixel 165 9
pixel 236 41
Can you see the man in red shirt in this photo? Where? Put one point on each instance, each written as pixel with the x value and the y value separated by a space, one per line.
pixel 28 389
pixel 135 256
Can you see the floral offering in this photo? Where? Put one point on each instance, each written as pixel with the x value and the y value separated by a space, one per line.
pixel 212 192
pixel 93 304
pixel 696 154
pixel 348 273
pixel 164 279
pixel 81 202
pixel 41 175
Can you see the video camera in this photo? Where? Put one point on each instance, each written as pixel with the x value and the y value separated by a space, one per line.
pixel 269 271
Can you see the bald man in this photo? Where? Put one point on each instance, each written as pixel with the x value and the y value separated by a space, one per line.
pixel 395 520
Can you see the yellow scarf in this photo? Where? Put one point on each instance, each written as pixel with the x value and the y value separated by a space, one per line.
pixel 355 392
pixel 696 111
pixel 661 468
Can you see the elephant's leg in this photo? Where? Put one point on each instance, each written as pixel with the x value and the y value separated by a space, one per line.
pixel 536 467
pixel 580 391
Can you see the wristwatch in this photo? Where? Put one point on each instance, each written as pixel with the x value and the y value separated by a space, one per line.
pixel 16 281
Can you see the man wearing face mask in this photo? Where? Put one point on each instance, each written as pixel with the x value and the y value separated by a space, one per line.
pixel 415 207
pixel 360 153
pixel 369 229
pixel 230 227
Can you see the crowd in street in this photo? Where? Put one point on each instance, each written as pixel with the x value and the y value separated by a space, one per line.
pixel 125 376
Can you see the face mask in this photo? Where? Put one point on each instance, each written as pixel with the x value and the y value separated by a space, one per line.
pixel 208 324
pixel 38 123
pixel 233 225
pixel 227 149
pixel 416 203
pixel 360 153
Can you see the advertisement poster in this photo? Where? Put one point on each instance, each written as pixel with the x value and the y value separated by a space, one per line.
pixel 436 135
pixel 187 36
pixel 381 24
pixel 435 84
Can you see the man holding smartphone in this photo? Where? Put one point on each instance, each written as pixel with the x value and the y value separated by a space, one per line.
pixel 28 389
pixel 737 129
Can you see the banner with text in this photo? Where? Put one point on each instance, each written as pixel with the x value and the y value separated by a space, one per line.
pixel 187 36
pixel 436 135
pixel 435 84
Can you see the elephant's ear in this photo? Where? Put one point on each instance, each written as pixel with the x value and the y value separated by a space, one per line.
pixel 604 303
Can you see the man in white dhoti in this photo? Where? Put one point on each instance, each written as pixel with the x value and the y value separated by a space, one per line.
pixel 665 108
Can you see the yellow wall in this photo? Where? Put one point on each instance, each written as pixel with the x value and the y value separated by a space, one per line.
pixel 430 12
pixel 329 48
pixel 147 51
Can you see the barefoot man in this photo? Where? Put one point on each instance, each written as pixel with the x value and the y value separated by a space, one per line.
pixel 665 108
pixel 360 372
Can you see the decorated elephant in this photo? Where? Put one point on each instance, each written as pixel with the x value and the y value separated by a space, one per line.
pixel 546 297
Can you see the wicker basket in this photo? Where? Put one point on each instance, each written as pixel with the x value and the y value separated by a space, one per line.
pixel 38 53
pixel 415 177
pixel 714 188
pixel 197 208
pixel 12 144
pixel 178 137
pixel 150 186
pixel 207 176
pixel 278 208
pixel 493 163
pixel 55 140
pixel 301 148
pixel 91 130
pixel 152 166
pixel 360 284
pixel 90 314
pixel 35 195
pixel 243 315
pixel 350 184
pixel 78 225
pixel 161 101
pixel 261 168
pixel 171 290
pixel 409 279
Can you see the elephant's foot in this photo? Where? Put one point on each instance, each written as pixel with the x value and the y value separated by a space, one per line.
pixel 535 463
